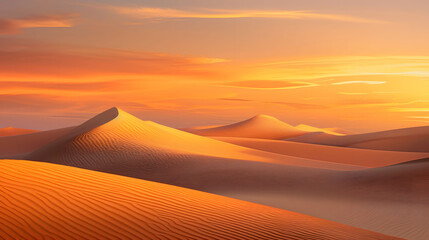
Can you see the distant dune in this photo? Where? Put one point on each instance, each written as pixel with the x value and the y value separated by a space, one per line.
pixel 344 155
pixel 11 131
pixel 41 200
pixel 260 126
pixel 414 139
pixel 22 144
pixel 332 131
pixel 115 141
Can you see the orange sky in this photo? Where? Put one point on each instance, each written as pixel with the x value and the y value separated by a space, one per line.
pixel 357 65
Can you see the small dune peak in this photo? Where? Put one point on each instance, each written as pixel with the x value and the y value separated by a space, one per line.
pixel 263 116
pixel 100 119
pixel 11 131
pixel 266 119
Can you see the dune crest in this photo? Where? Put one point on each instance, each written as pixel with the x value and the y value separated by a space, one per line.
pixel 115 138
pixel 42 200
pixel 260 126
pixel 11 131
pixel 414 139
pixel 331 131
pixel 345 155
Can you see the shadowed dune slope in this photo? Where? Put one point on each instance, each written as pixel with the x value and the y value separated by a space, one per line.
pixel 360 157
pixel 41 200
pixel 115 140
pixel 11 131
pixel 414 139
pixel 392 200
pixel 260 126
pixel 22 144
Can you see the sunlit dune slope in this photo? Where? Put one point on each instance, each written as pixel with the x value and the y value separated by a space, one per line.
pixel 115 141
pixel 260 126
pixel 22 144
pixel 361 157
pixel 11 131
pixel 406 140
pixel 41 200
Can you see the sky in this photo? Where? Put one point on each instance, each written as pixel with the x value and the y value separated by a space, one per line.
pixel 356 65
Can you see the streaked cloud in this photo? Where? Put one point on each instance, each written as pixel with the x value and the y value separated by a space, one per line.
pixel 300 106
pixel 360 82
pixel 420 117
pixel 14 26
pixel 170 13
pixel 269 84
pixel 409 109
pixel 235 99
pixel 66 86
pixel 353 93
pixel 65 61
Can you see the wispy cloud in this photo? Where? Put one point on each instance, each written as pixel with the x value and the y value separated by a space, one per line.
pixel 300 106
pixel 360 82
pixel 420 117
pixel 14 26
pixel 147 13
pixel 41 59
pixel 269 84
pixel 235 99
pixel 353 93
pixel 410 110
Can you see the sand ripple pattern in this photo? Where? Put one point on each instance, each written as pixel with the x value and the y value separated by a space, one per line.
pixel 49 201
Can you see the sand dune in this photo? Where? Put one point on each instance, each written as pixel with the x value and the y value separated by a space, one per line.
pixel 115 140
pixel 332 131
pixel 22 144
pixel 360 157
pixel 406 140
pixel 119 143
pixel 41 200
pixel 11 131
pixel 260 126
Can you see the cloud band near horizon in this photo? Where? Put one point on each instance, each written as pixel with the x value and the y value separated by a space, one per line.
pixel 9 26
pixel 170 13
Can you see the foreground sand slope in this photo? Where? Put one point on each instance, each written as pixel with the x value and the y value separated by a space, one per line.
pixel 354 156
pixel 11 131
pixel 414 139
pixel 41 200
pixel 260 126
pixel 22 144
pixel 115 140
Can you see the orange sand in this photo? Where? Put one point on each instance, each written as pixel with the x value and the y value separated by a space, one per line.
pixel 41 200
pixel 360 157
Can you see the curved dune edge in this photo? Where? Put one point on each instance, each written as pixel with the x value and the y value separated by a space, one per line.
pixel 344 155
pixel 116 139
pixel 260 126
pixel 46 200
pixel 413 139
pixel 11 131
